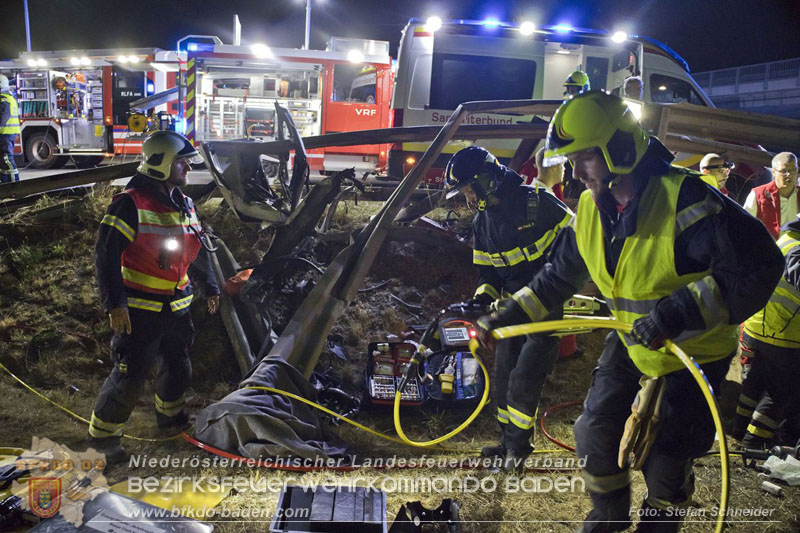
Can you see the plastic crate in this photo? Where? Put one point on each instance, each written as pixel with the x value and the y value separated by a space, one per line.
pixel 329 509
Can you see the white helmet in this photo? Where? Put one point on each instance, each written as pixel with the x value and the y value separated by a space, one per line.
pixel 160 149
pixel 3 83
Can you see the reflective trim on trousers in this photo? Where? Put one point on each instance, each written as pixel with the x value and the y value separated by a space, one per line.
pixel 147 305
pixel 100 429
pixel 170 409
pixel 759 432
pixel 520 419
pixel 502 415
pixel 603 484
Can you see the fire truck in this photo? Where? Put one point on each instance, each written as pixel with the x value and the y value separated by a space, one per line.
pixel 231 93
pixel 76 104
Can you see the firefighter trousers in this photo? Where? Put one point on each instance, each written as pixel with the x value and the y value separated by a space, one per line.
pixel 775 372
pixel 8 168
pixel 164 336
pixel 686 432
pixel 521 366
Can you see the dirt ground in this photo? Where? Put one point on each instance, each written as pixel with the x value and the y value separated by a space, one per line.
pixel 54 336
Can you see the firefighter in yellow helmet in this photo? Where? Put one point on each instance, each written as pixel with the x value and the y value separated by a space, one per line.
pixel 577 82
pixel 147 240
pixel 9 129
pixel 674 257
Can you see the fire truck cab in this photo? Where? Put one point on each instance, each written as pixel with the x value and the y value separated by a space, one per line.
pixel 231 93
pixel 76 104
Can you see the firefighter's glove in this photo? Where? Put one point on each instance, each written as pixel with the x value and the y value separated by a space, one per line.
pixel 665 321
pixel 475 305
pixel 647 333
pixel 500 305
pixel 120 320
pixel 484 327
pixel 641 428
pixel 213 304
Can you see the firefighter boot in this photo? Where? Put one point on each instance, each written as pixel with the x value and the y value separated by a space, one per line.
pixel 514 460
pixel 753 442
pixel 610 512
pixel 111 447
pixel 497 450
pixel 171 425
pixel 658 520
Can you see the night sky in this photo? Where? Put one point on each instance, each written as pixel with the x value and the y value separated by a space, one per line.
pixel 709 34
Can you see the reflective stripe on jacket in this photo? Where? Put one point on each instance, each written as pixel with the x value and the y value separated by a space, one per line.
pixel 646 272
pixel 512 239
pixel 778 323
pixel 162 248
pixel 11 127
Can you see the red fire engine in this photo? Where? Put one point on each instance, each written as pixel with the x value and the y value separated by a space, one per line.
pixel 76 104
pixel 231 92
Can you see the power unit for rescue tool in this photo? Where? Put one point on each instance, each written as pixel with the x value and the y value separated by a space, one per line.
pixel 450 375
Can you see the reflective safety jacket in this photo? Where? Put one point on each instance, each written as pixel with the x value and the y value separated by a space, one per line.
pixel 646 273
pixel 513 238
pixel 9 111
pixel 146 243
pixel 778 323
pixel 720 263
pixel 165 244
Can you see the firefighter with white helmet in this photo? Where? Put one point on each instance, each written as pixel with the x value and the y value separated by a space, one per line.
pixel 679 261
pixel 147 240
pixel 9 129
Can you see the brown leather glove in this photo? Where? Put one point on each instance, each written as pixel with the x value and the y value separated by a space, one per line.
pixel 120 320
pixel 641 428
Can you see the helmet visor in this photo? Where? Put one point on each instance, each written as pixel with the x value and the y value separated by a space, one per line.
pixel 454 190
pixel 481 184
pixel 192 159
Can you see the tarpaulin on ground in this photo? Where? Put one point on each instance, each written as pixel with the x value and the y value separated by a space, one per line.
pixel 257 423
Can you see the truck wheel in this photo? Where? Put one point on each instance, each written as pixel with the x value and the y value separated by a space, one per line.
pixel 41 152
pixel 88 161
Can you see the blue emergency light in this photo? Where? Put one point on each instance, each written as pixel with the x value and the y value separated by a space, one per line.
pixel 200 47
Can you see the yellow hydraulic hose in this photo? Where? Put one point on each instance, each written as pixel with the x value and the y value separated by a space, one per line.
pixel 688 362
pixel 325 410
pixel 501 333
pixel 75 415
pixel 473 345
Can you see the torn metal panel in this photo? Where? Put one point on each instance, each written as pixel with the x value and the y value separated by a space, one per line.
pixel 64 180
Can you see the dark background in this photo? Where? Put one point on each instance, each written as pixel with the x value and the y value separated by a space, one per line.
pixel 709 34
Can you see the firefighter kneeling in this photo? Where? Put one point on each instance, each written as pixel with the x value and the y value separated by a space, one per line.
pixel 514 229
pixel 147 240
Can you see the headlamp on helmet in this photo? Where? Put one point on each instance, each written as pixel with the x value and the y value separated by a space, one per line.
pixel 715 162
